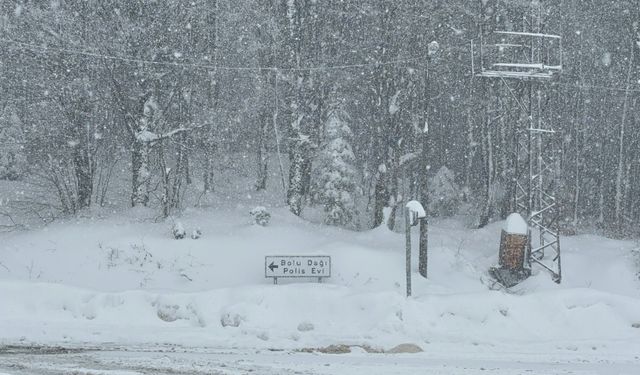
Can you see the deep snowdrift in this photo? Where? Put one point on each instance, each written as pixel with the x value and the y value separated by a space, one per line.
pixel 126 281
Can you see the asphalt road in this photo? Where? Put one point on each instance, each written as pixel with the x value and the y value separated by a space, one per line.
pixel 174 360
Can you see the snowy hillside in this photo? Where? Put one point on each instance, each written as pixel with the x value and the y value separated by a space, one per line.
pixel 129 282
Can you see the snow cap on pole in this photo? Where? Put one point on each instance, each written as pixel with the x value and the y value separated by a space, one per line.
pixel 416 210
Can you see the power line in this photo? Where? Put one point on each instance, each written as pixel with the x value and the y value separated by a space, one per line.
pixel 49 50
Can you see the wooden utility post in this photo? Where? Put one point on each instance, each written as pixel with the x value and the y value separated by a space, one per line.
pixel 423 257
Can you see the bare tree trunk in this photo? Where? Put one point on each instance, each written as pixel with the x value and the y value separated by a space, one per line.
pixel 380 196
pixel 577 163
pixel 81 136
pixel 396 203
pixel 487 144
pixel 212 97
pixel 300 125
pixel 276 133
pixel 262 156
pixel 621 153
pixel 84 163
pixel 294 196
pixel 188 144
pixel 166 185
pixel 601 184
pixel 208 170
pixel 140 173
pixel 471 149
pixel 180 172
pixel 298 152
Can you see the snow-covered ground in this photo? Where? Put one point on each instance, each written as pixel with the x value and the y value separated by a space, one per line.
pixel 126 281
pixel 117 281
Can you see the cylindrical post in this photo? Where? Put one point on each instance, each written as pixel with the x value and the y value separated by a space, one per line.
pixel 424 245
pixel 408 249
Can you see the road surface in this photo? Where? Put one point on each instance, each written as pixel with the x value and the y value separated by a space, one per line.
pixel 23 360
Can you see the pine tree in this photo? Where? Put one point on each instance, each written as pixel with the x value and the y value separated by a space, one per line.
pixel 336 185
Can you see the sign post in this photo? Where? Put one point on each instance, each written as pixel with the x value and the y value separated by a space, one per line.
pixel 414 211
pixel 297 266
pixel 408 226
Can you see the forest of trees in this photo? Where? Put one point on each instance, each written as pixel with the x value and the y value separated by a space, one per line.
pixel 367 101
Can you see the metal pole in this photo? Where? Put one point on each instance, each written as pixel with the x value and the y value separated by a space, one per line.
pixel 407 216
pixel 424 245
pixel 423 179
pixel 530 162
pixel 540 172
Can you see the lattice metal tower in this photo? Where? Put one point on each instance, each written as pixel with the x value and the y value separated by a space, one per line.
pixel 526 62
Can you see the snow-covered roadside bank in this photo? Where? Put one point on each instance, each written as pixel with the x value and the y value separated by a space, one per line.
pixel 313 316
pixel 296 316
pixel 97 282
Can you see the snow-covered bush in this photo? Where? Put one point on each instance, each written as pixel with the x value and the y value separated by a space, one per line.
pixel 231 320
pixel 336 174
pixel 178 231
pixel 305 327
pixel 261 216
pixel 444 193
pixel 196 234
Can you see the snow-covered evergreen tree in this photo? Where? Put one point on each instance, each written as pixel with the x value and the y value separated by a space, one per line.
pixel 336 174
pixel 445 193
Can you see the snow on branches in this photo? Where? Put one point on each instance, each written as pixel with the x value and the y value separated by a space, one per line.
pixel 335 186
